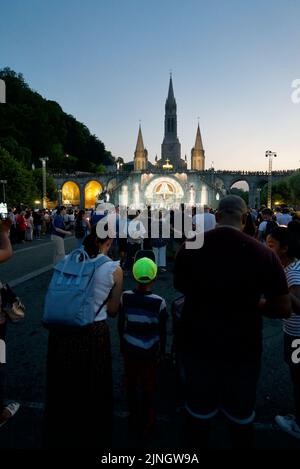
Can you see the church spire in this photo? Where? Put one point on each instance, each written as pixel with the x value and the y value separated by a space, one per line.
pixel 198 144
pixel 139 143
pixel 140 154
pixel 171 98
pixel 197 153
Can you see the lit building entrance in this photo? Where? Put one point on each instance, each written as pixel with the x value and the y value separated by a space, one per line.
pixel 70 194
pixel 164 192
pixel 91 192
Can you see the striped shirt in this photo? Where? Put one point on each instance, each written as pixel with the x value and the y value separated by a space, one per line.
pixel 291 326
pixel 141 313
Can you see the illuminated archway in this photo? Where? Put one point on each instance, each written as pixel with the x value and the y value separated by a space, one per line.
pixel 164 192
pixel 70 194
pixel 91 191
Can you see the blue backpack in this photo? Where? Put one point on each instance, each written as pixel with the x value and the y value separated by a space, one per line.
pixel 70 296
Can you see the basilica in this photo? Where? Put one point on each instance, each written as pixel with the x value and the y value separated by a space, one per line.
pixel 165 184
pixel 170 148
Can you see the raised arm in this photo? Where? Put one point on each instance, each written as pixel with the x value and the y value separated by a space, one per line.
pixel 5 247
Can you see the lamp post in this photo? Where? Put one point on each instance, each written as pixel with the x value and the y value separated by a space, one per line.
pixel 59 196
pixel 270 155
pixel 212 169
pixel 258 197
pixel 3 181
pixel 43 160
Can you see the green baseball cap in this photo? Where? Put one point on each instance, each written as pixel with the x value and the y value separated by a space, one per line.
pixel 144 270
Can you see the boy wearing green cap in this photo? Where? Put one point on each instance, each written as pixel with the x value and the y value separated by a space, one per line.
pixel 142 329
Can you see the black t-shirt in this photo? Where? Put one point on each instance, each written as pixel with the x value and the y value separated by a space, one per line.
pixel 223 282
pixel 37 218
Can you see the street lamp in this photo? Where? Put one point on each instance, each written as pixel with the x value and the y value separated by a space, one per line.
pixel 3 181
pixel 270 155
pixel 59 196
pixel 258 197
pixel 43 160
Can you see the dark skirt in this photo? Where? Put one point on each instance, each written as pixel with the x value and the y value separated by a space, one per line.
pixel 78 411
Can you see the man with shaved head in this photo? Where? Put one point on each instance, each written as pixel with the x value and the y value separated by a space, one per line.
pixel 229 284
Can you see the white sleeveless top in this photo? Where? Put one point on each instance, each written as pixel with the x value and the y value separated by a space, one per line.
pixel 104 282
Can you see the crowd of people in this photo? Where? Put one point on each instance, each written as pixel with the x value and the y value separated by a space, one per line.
pixel 218 331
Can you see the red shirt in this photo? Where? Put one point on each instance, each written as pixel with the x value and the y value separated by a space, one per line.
pixel 21 222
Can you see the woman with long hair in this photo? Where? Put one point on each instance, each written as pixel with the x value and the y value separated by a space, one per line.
pixel 249 227
pixel 286 243
pixel 79 369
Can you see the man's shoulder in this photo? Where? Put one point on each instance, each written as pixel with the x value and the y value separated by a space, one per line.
pixel 229 236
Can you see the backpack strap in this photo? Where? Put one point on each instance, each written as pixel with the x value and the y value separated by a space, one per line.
pixel 101 261
pixel 103 304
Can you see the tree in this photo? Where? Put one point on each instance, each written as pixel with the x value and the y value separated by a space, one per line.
pixel 281 192
pixel 51 189
pixel 20 188
pixel 241 193
pixel 32 127
pixel 101 169
pixel 294 185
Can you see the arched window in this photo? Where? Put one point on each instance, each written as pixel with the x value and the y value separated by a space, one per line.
pixel 70 194
pixel 91 192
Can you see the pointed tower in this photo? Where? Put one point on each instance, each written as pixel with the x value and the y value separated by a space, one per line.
pixel 140 154
pixel 171 148
pixel 197 153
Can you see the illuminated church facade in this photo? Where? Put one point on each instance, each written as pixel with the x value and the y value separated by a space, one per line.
pixel 167 183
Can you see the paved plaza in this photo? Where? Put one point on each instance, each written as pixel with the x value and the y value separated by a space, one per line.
pixel 29 272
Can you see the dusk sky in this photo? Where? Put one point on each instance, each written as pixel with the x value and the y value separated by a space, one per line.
pixel 108 62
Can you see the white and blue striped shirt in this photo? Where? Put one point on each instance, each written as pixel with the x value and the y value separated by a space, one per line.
pixel 142 313
pixel 291 326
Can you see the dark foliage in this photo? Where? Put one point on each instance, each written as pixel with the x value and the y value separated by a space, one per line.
pixel 32 127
